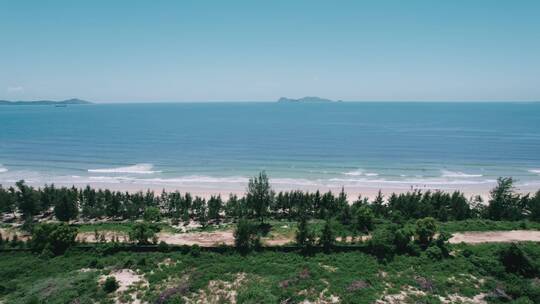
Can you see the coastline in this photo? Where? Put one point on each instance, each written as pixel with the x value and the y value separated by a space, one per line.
pixel 208 189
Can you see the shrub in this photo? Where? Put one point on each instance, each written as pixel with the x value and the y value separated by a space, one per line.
pixel 110 285
pixel 163 247
pixel 328 238
pixel 515 260
pixel 195 251
pixel 246 236
pixel 305 238
pixel 152 214
pixel 425 231
pixel 142 232
pixel 54 237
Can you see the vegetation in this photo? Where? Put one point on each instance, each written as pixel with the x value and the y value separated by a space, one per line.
pixel 406 255
pixel 262 203
pixel 273 277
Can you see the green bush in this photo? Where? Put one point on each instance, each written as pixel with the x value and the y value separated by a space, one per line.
pixel 110 285
pixel 54 237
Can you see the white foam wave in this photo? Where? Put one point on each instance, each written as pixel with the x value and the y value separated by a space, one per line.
pixel 535 171
pixel 192 179
pixel 457 174
pixel 360 172
pixel 2 169
pixel 135 169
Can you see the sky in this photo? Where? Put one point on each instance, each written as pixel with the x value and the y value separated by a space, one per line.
pixel 161 51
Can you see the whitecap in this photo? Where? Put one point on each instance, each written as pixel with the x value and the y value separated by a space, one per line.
pixel 535 171
pixel 458 174
pixel 360 172
pixel 135 169
pixel 357 172
pixel 2 169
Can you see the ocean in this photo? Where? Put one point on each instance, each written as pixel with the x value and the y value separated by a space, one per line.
pixel 216 147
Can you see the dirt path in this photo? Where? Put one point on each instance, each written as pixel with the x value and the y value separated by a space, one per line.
pixel 496 236
pixel 207 239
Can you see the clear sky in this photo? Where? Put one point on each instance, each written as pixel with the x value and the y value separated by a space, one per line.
pixel 122 51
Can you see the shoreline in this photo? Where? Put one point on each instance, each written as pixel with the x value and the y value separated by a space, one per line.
pixel 206 190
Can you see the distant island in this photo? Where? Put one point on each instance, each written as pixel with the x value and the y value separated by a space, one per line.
pixel 73 101
pixel 307 99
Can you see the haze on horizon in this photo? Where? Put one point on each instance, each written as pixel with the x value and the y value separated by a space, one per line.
pixel 121 51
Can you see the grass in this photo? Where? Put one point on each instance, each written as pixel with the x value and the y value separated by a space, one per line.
pixel 270 277
pixel 487 225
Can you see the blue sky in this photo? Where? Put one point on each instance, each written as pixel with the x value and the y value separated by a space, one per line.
pixel 137 51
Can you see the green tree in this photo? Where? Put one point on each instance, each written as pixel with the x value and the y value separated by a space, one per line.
pixel 246 237
pixel 379 209
pixel 534 207
pixel 328 237
pixel 141 233
pixel 363 219
pixel 27 200
pixel 66 208
pixel 425 231
pixel 54 237
pixel 305 238
pixel 504 203
pixel 215 205
pixel 259 195
pixel 152 214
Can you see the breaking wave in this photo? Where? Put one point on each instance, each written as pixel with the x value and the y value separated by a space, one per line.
pixel 457 174
pixel 135 169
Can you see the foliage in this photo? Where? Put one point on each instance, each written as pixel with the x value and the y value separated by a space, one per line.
pixel 152 214
pixel 425 231
pixel 110 284
pixel 259 195
pixel 141 233
pixel 246 237
pixel 54 237
pixel 328 237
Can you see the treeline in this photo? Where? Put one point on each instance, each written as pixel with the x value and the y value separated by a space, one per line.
pixel 261 203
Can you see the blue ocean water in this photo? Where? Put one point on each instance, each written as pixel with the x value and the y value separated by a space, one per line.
pixel 220 145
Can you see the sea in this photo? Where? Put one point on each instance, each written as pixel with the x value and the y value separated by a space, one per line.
pixel 216 147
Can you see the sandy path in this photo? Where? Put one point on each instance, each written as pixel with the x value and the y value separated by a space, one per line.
pixel 204 239
pixel 496 236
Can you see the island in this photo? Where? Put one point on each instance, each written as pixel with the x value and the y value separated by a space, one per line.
pixel 307 99
pixel 73 101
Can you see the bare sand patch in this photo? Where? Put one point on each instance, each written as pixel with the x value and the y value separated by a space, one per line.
pixel 203 239
pixel 9 233
pixel 495 236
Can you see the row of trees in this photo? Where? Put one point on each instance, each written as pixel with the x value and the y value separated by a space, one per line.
pixel 261 203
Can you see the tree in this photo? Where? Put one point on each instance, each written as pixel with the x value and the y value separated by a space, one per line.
pixel 379 209
pixel 534 207
pixel 504 203
pixel 363 220
pixel 142 232
pixel 246 237
pixel 66 208
pixel 425 231
pixel 259 195
pixel 304 236
pixel 27 200
pixel 152 214
pixel 200 211
pixel 328 237
pixel 54 237
pixel 215 205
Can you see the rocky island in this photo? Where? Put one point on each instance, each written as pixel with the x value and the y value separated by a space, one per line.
pixel 307 99
pixel 73 101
